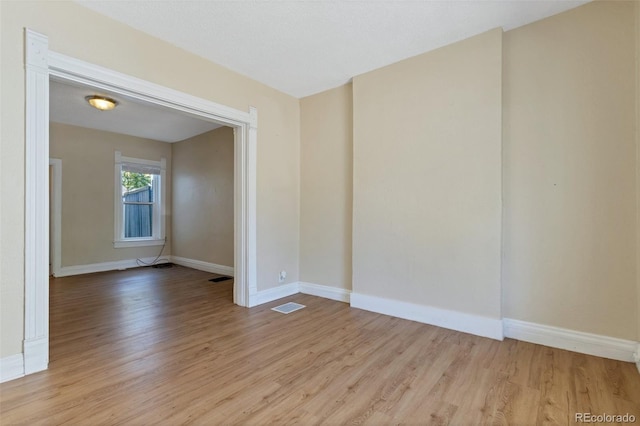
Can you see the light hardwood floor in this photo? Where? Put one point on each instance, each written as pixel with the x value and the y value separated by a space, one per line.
pixel 166 346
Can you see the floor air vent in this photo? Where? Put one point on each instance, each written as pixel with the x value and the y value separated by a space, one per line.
pixel 218 279
pixel 287 308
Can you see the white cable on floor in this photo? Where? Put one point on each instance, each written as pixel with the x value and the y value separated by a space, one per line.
pixel 141 262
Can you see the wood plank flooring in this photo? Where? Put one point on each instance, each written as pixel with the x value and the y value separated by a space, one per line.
pixel 166 346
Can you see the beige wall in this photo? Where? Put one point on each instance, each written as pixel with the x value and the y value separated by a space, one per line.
pixel 87 191
pixel 203 197
pixel 569 171
pixel 427 178
pixel 427 134
pixel 326 187
pixel 570 222
pixel 83 34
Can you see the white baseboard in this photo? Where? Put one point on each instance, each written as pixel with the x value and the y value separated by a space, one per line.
pixel 576 341
pixel 11 367
pixel 66 271
pixel 203 266
pixel 274 293
pixel 36 355
pixel 459 321
pixel 279 292
pixel 333 293
pixel 571 340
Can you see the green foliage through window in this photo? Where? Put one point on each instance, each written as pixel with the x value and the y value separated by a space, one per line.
pixel 131 180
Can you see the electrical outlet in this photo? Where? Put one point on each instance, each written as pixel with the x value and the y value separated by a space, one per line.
pixel 282 276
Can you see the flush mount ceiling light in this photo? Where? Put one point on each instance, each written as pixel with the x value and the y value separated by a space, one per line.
pixel 102 103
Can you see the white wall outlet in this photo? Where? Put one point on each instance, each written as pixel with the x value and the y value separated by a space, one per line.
pixel 282 276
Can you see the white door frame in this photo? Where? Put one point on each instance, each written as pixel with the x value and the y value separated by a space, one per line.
pixel 55 233
pixel 40 65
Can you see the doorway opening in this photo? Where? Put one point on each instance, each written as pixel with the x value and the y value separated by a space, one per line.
pixel 41 65
pixel 173 185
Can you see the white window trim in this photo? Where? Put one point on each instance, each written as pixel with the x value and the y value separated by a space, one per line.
pixel 159 222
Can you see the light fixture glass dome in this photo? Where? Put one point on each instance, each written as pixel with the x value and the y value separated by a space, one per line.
pixel 102 103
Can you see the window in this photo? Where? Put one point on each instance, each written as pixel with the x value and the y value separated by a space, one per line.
pixel 139 202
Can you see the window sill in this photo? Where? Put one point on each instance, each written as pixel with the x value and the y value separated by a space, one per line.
pixel 138 243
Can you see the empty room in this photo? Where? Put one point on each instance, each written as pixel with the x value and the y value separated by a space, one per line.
pixel 379 212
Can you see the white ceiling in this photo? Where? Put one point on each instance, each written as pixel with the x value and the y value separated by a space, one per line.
pixel 67 105
pixel 304 47
pixel 300 47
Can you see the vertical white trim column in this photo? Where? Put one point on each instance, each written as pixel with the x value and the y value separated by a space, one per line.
pixel 36 274
pixel 252 179
pixel 160 206
pixel 55 245
pixel 245 203
pixel 118 235
pixel 240 295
